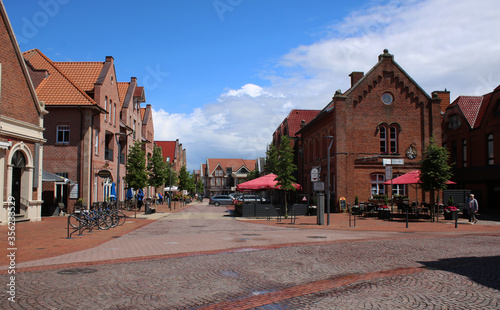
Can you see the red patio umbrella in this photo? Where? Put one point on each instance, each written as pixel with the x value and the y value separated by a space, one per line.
pixel 265 182
pixel 412 177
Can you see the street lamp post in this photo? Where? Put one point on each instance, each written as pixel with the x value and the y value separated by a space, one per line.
pixel 328 181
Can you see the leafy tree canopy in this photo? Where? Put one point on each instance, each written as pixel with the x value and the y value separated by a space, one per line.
pixel 136 176
pixel 435 171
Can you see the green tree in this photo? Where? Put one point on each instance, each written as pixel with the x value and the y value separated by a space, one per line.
pixel 158 168
pixel 271 159
pixel 285 168
pixel 435 171
pixel 136 176
pixel 186 181
pixel 254 174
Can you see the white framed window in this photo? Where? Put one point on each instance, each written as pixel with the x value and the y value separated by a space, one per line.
pixel 398 189
pixel 377 184
pixel 96 142
pixel 114 114
pixel 62 134
pixel 388 139
pixel 111 112
pixel 105 108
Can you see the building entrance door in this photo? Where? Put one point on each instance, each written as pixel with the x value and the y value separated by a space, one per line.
pixel 18 164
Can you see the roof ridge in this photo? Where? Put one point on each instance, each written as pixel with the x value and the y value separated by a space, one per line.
pixel 50 62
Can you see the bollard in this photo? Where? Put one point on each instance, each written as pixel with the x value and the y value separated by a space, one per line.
pixel 406 217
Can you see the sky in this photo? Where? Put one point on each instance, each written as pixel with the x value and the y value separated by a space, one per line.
pixel 221 75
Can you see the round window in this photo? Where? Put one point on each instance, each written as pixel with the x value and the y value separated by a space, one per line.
pixel 387 98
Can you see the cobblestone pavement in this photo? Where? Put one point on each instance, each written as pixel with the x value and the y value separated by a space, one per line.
pixel 362 271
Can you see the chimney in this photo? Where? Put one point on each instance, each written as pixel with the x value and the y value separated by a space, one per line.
pixel 302 123
pixel 444 95
pixel 355 77
pixel 109 58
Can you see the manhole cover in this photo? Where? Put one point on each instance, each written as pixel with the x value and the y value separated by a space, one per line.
pixel 77 271
pixel 317 237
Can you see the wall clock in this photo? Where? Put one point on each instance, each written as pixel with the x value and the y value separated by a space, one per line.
pixel 411 152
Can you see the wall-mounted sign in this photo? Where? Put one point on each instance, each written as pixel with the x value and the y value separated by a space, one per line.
pixel 314 174
pixel 104 174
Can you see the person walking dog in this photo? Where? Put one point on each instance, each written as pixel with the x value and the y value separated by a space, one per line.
pixel 473 208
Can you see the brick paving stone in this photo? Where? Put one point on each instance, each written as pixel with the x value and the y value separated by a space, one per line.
pixel 222 263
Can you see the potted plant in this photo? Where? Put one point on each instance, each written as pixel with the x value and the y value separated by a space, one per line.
pixel 450 213
pixel 355 209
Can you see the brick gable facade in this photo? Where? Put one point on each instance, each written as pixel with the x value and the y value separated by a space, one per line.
pixel 21 133
pixel 471 131
pixel 381 116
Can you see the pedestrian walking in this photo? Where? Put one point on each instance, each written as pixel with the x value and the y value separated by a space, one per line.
pixel 473 208
pixel 160 198
pixel 140 198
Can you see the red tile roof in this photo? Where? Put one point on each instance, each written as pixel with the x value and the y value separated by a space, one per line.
pixel 167 149
pixel 234 163
pixel 83 74
pixel 472 107
pixel 56 88
pixel 122 90
pixel 295 118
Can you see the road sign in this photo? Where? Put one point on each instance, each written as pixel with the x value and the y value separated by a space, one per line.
pixel 319 186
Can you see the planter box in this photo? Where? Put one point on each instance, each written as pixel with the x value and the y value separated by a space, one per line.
pixel 453 215
pixel 384 214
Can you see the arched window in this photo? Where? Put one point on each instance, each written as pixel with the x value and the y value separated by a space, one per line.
pixel 383 139
pixel 388 139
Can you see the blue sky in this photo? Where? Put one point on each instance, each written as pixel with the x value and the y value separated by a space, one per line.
pixel 222 74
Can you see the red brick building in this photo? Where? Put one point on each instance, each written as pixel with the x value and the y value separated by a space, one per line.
pixel 222 175
pixel 92 122
pixel 384 115
pixel 295 120
pixel 471 131
pixel 21 133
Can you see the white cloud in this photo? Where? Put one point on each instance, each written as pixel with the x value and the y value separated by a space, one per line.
pixel 440 43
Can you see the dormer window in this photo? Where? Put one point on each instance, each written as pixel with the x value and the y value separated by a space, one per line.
pixel 454 122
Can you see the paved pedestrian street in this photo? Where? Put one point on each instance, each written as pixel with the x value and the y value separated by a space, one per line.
pixel 201 258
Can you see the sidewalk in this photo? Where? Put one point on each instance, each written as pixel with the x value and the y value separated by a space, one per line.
pixel 341 221
pixel 48 238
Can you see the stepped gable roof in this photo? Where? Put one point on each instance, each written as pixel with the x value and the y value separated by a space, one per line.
pixel 473 108
pixel 234 163
pixel 83 74
pixel 57 88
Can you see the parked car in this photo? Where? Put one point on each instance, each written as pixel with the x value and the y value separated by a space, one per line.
pixel 218 200
pixel 249 198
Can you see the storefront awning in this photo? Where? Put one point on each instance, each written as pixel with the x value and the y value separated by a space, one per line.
pixel 51 177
